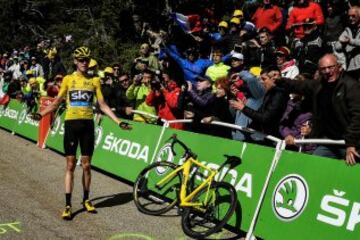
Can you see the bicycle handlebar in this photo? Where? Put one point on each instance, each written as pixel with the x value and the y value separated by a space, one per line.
pixel 175 140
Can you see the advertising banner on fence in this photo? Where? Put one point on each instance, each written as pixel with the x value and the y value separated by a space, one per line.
pixel 24 125
pixel 122 152
pixel 308 197
pixel 55 137
pixel 311 197
pixel 9 115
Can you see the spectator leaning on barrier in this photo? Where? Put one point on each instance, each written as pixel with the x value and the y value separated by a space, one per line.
pixel 267 118
pixel 220 110
pixel 244 85
pixel 336 108
pixel 79 89
pixel 296 117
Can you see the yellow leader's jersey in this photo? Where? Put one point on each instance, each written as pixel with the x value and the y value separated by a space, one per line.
pixel 79 91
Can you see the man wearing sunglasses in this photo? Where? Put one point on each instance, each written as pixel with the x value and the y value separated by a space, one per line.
pixel 79 90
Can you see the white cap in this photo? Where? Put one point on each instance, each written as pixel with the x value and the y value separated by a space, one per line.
pixel 237 55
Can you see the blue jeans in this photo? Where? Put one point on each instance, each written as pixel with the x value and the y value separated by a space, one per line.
pixel 330 151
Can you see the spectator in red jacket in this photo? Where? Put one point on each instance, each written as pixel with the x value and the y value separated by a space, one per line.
pixel 267 16
pixel 164 97
pixel 302 10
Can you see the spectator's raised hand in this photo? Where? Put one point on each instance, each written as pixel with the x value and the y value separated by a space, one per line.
pixel 290 140
pixel 189 86
pixel 237 104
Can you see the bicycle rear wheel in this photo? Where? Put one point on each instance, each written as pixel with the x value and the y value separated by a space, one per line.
pixel 152 199
pixel 219 206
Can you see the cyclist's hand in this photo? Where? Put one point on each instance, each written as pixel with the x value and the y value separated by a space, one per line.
pixel 36 116
pixel 125 126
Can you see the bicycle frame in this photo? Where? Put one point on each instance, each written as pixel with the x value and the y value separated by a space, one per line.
pixel 185 199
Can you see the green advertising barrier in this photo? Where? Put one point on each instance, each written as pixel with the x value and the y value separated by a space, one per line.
pixel 308 197
pixel 9 115
pixel 122 152
pixel 24 125
pixel 248 178
pixel 311 197
pixel 55 137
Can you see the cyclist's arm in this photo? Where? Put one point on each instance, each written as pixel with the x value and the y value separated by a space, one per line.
pixel 106 109
pixel 52 107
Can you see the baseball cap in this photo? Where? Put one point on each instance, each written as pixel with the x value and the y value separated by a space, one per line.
pixel 223 24
pixel 235 21
pixel 238 56
pixel 283 50
pixel 204 78
pixel 238 13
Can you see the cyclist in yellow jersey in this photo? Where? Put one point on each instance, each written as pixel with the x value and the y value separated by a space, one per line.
pixel 79 89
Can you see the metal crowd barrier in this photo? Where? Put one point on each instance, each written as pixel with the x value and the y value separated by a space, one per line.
pixel 280 147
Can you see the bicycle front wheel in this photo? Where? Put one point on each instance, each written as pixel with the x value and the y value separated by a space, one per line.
pixel 219 204
pixel 152 198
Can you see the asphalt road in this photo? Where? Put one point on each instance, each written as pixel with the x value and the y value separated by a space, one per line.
pixel 32 199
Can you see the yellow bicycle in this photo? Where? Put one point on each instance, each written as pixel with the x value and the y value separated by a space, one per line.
pixel 205 205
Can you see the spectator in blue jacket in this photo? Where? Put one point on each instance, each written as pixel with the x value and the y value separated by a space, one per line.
pixel 191 65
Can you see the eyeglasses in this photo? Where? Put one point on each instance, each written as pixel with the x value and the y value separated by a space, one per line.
pixel 82 60
pixel 331 68
pixel 352 16
pixel 124 80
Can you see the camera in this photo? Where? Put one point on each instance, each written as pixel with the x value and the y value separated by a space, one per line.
pixel 137 79
pixel 155 83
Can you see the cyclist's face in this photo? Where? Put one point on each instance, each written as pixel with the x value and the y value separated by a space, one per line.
pixel 82 64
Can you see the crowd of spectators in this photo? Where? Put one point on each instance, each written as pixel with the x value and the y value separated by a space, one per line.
pixel 287 69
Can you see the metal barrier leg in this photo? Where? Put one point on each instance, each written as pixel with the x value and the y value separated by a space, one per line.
pixel 280 146
pixel 165 126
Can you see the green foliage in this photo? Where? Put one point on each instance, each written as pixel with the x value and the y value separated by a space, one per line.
pixel 96 24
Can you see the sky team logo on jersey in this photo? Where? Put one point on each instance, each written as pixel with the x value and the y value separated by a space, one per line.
pixel 81 98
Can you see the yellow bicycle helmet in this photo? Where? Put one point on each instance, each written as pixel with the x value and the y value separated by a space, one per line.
pixel 82 52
